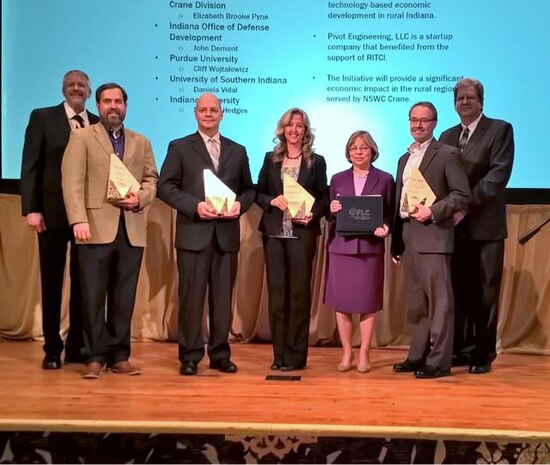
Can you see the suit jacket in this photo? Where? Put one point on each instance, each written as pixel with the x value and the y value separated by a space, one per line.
pixel 85 175
pixel 442 168
pixel 378 182
pixel 313 179
pixel 46 138
pixel 181 186
pixel 487 158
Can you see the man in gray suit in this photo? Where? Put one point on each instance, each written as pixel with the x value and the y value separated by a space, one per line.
pixel 424 240
pixel 488 153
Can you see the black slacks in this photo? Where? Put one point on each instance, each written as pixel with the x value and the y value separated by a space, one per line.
pixel 477 275
pixel 109 275
pixel 52 247
pixel 216 270
pixel 288 268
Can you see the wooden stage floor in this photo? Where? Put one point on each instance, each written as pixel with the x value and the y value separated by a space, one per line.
pixel 511 402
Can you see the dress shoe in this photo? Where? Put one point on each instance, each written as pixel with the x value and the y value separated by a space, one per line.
pixel 428 372
pixel 292 367
pixel 125 368
pixel 408 366
pixel 480 369
pixel 51 362
pixel 224 365
pixel 93 370
pixel 188 368
pixel 275 366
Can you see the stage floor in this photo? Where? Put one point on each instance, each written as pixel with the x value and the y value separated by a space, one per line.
pixel 510 403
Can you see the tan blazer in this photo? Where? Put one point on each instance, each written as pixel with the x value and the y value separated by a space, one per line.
pixel 84 178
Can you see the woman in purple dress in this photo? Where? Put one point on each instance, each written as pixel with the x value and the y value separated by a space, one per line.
pixel 355 273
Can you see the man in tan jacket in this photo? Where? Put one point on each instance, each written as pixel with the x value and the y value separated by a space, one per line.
pixel 110 235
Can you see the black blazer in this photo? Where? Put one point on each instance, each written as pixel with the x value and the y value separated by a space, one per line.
pixel 488 158
pixel 442 168
pixel 46 138
pixel 270 185
pixel 181 185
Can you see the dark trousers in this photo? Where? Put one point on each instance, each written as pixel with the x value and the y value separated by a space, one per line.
pixel 216 270
pixel 52 247
pixel 109 275
pixel 477 275
pixel 430 305
pixel 288 268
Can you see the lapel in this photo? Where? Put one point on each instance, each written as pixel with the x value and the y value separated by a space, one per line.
pixel 101 136
pixel 477 136
pixel 347 187
pixel 454 135
pixel 129 146
pixel 276 175
pixel 372 180
pixel 61 122
pixel 401 167
pixel 198 145
pixel 304 173
pixel 226 150
pixel 429 155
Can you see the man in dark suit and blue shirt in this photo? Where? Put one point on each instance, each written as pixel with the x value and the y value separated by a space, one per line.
pixel 46 137
pixel 207 243
pixel 487 147
pixel 424 241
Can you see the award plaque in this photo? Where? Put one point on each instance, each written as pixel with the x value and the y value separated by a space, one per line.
pixel 418 192
pixel 299 200
pixel 217 195
pixel 360 214
pixel 121 181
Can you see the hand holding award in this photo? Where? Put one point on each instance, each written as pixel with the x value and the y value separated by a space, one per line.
pixel 299 200
pixel 219 198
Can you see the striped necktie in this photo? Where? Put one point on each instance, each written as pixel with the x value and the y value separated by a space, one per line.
pixel 463 139
pixel 214 151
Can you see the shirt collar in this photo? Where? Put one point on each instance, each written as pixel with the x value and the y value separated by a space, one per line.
pixel 473 125
pixel 206 138
pixel 70 112
pixel 417 149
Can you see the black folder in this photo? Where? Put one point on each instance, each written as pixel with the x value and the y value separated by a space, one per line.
pixel 360 214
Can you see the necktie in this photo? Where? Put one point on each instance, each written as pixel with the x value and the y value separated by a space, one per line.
pixel 79 121
pixel 463 139
pixel 214 152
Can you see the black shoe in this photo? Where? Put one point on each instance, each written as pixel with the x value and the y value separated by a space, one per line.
pixel 276 366
pixel 429 372
pixel 51 362
pixel 480 369
pixel 224 365
pixel 408 366
pixel 188 368
pixel 292 367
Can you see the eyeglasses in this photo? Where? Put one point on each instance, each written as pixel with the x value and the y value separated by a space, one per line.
pixel 353 148
pixel 421 120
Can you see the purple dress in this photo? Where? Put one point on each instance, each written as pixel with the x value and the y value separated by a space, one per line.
pixel 355 270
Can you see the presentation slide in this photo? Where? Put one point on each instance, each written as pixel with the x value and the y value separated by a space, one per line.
pixel 349 64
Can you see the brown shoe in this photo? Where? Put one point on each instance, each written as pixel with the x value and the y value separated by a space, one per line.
pixel 93 370
pixel 125 368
